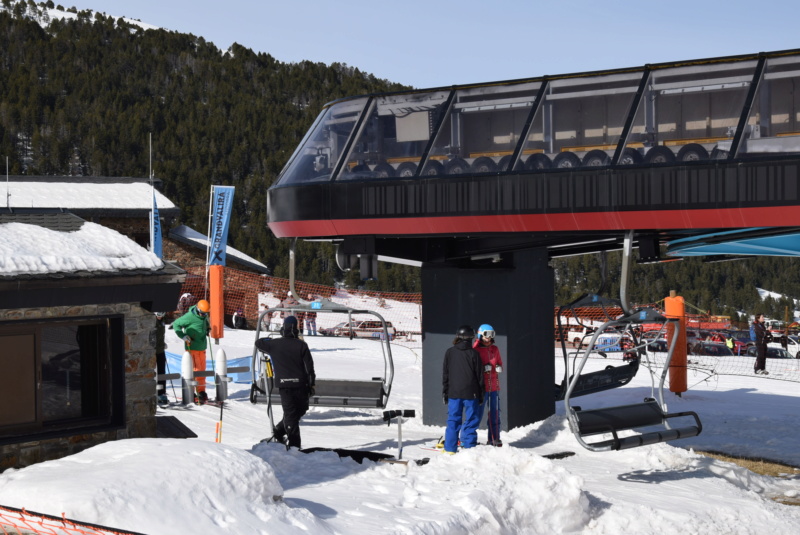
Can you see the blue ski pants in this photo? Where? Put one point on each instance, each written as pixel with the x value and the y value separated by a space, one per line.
pixel 463 419
pixel 493 423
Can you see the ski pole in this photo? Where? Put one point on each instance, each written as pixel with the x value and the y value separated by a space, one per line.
pixel 218 427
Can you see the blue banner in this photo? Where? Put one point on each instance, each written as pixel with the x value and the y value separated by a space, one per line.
pixel 222 204
pixel 155 230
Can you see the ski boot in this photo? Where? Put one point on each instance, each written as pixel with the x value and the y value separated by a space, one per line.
pixel 201 398
pixel 163 400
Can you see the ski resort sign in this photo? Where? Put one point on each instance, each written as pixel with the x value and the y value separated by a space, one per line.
pixel 221 204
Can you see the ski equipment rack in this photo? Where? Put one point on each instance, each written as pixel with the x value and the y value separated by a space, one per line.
pixel 372 393
pixel 647 415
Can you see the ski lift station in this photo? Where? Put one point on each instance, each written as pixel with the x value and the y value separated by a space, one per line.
pixel 482 185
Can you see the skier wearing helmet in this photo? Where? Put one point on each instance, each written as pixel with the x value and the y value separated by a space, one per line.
pixel 492 365
pixel 462 391
pixel 193 328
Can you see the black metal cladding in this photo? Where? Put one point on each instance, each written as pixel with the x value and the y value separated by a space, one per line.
pixel 708 134
pixel 717 185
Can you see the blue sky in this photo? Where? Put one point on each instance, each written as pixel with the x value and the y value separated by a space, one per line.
pixel 446 42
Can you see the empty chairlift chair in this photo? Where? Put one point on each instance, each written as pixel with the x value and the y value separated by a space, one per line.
pixel 642 423
pixel 345 392
pixel 609 377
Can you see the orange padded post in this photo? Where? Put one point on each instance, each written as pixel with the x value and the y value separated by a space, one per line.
pixel 217 315
pixel 674 307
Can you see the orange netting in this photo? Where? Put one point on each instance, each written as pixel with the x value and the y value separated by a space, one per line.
pixel 22 522
pixel 247 294
pixel 594 316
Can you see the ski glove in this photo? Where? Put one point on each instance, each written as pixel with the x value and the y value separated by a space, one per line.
pixel 487 368
pixel 311 390
pixel 444 398
pixel 187 339
pixel 498 368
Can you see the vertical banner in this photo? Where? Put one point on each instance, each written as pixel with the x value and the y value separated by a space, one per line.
pixel 221 206
pixel 155 229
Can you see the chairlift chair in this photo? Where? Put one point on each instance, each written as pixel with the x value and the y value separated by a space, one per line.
pixel 611 376
pixel 649 414
pixel 372 393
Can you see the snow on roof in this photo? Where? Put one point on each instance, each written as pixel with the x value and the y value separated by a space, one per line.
pixel 188 234
pixel 32 249
pixel 74 196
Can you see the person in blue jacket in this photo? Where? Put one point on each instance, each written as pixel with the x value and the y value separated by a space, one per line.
pixel 462 391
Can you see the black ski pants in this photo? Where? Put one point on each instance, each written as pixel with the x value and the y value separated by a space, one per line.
pixel 295 404
pixel 761 356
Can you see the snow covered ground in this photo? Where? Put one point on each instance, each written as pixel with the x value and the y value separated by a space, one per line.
pixel 160 486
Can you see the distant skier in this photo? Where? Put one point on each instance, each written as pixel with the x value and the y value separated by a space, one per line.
pixel 311 320
pixel 294 376
pixel 761 337
pixel 238 320
pixel 462 391
pixel 492 366
pixel 193 328
pixel 186 300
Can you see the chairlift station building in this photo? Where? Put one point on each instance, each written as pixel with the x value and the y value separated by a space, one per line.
pixel 483 184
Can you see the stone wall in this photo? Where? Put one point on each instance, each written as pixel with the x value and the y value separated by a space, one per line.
pixel 140 386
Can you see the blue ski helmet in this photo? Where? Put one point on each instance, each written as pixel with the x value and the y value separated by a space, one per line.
pixel 487 330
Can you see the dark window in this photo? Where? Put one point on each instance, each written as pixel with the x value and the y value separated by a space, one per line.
pixel 61 376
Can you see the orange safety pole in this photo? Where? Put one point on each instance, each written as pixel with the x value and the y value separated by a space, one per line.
pixel 217 315
pixel 674 307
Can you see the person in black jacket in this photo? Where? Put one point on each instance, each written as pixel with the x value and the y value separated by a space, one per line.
pixel 294 378
pixel 161 358
pixel 763 337
pixel 462 391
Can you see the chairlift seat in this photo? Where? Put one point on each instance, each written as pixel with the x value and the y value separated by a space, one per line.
pixel 344 393
pixel 590 383
pixel 628 417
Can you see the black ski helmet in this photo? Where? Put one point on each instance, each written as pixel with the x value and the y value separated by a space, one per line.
pixel 465 332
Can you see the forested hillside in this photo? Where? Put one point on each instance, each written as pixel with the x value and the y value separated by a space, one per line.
pixel 719 288
pixel 81 96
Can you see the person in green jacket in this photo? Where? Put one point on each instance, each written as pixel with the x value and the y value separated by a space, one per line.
pixel 193 328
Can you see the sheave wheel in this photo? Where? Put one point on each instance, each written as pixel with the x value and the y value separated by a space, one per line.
pixel 692 152
pixel 659 154
pixel 595 158
pixel 536 162
pixel 484 165
pixel 433 168
pixel 630 157
pixel 383 170
pixel 456 166
pixel 566 160
pixel 406 170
